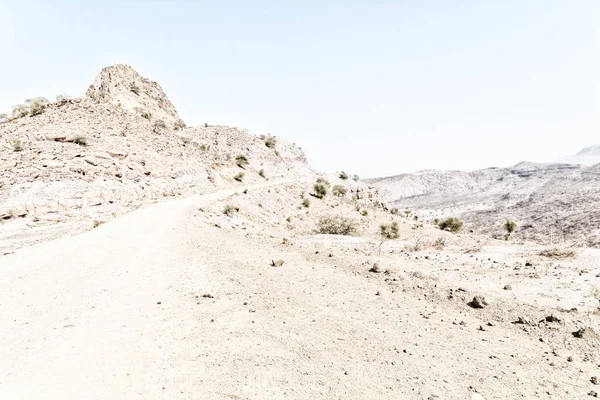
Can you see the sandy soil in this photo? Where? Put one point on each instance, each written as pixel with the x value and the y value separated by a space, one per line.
pixel 161 304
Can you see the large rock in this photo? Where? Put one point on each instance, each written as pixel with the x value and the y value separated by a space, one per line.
pixel 121 84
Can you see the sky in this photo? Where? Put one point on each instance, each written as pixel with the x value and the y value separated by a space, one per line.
pixel 374 88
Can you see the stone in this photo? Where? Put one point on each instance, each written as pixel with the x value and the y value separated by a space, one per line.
pixel 523 320
pixel 375 268
pixel 277 263
pixel 478 302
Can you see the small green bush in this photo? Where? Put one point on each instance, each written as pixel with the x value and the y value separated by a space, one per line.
pixel 179 125
pixel 364 213
pixel 239 177
pixel 339 190
pixel 37 105
pixel 356 178
pixel 261 173
pixel 62 96
pixel 320 190
pixel 343 175
pixel 20 110
pixel 3 116
pixel 270 141
pixel 241 161
pixel 451 224
pixel 394 211
pixel 17 145
pixel 389 231
pixel 510 226
pixel 306 203
pixel 228 210
pixel 337 225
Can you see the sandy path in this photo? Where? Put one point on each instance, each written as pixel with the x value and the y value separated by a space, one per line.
pixel 119 313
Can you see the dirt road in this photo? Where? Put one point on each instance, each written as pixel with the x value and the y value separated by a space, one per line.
pixel 157 305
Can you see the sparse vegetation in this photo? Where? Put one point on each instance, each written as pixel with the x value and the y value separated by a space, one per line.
pixel 62 96
pixel 389 231
pixel 364 213
pixel 306 203
pixel 20 110
pixel 394 211
pixel 337 225
pixel 241 161
pixel 356 178
pixel 558 253
pixel 323 181
pixel 320 190
pixel 17 145
pixel 451 224
pixel 3 116
pixel 239 177
pixel 510 226
pixel 97 223
pixel 261 173
pixel 228 210
pixel 339 190
pixel 343 175
pixel 204 147
pixel 158 125
pixel 179 125
pixel 439 243
pixel 416 244
pixel 37 105
pixel 270 141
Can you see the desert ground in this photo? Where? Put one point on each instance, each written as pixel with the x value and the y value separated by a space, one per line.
pixel 177 300
pixel 143 259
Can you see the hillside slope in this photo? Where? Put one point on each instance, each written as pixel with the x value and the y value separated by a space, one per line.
pixel 549 202
pixel 88 159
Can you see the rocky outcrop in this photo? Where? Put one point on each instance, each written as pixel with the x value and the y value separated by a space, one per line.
pixel 121 85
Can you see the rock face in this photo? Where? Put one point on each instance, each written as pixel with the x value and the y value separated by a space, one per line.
pixel 121 85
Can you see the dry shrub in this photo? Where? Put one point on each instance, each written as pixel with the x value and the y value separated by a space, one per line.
pixel 416 244
pixel 439 243
pixel 558 253
pixel 337 225
pixel 339 190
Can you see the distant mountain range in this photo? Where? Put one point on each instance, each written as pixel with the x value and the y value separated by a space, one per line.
pixel 552 202
pixel 587 156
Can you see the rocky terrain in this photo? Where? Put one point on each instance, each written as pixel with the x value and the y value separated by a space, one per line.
pixel 138 263
pixel 551 203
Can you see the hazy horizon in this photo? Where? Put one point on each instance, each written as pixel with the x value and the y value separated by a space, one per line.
pixel 375 89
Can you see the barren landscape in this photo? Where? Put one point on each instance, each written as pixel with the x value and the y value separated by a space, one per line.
pixel 150 260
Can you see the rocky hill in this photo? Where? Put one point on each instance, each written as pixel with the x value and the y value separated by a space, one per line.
pixel 549 202
pixel 66 164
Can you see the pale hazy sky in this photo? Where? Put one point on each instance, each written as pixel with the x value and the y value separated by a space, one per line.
pixel 371 87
